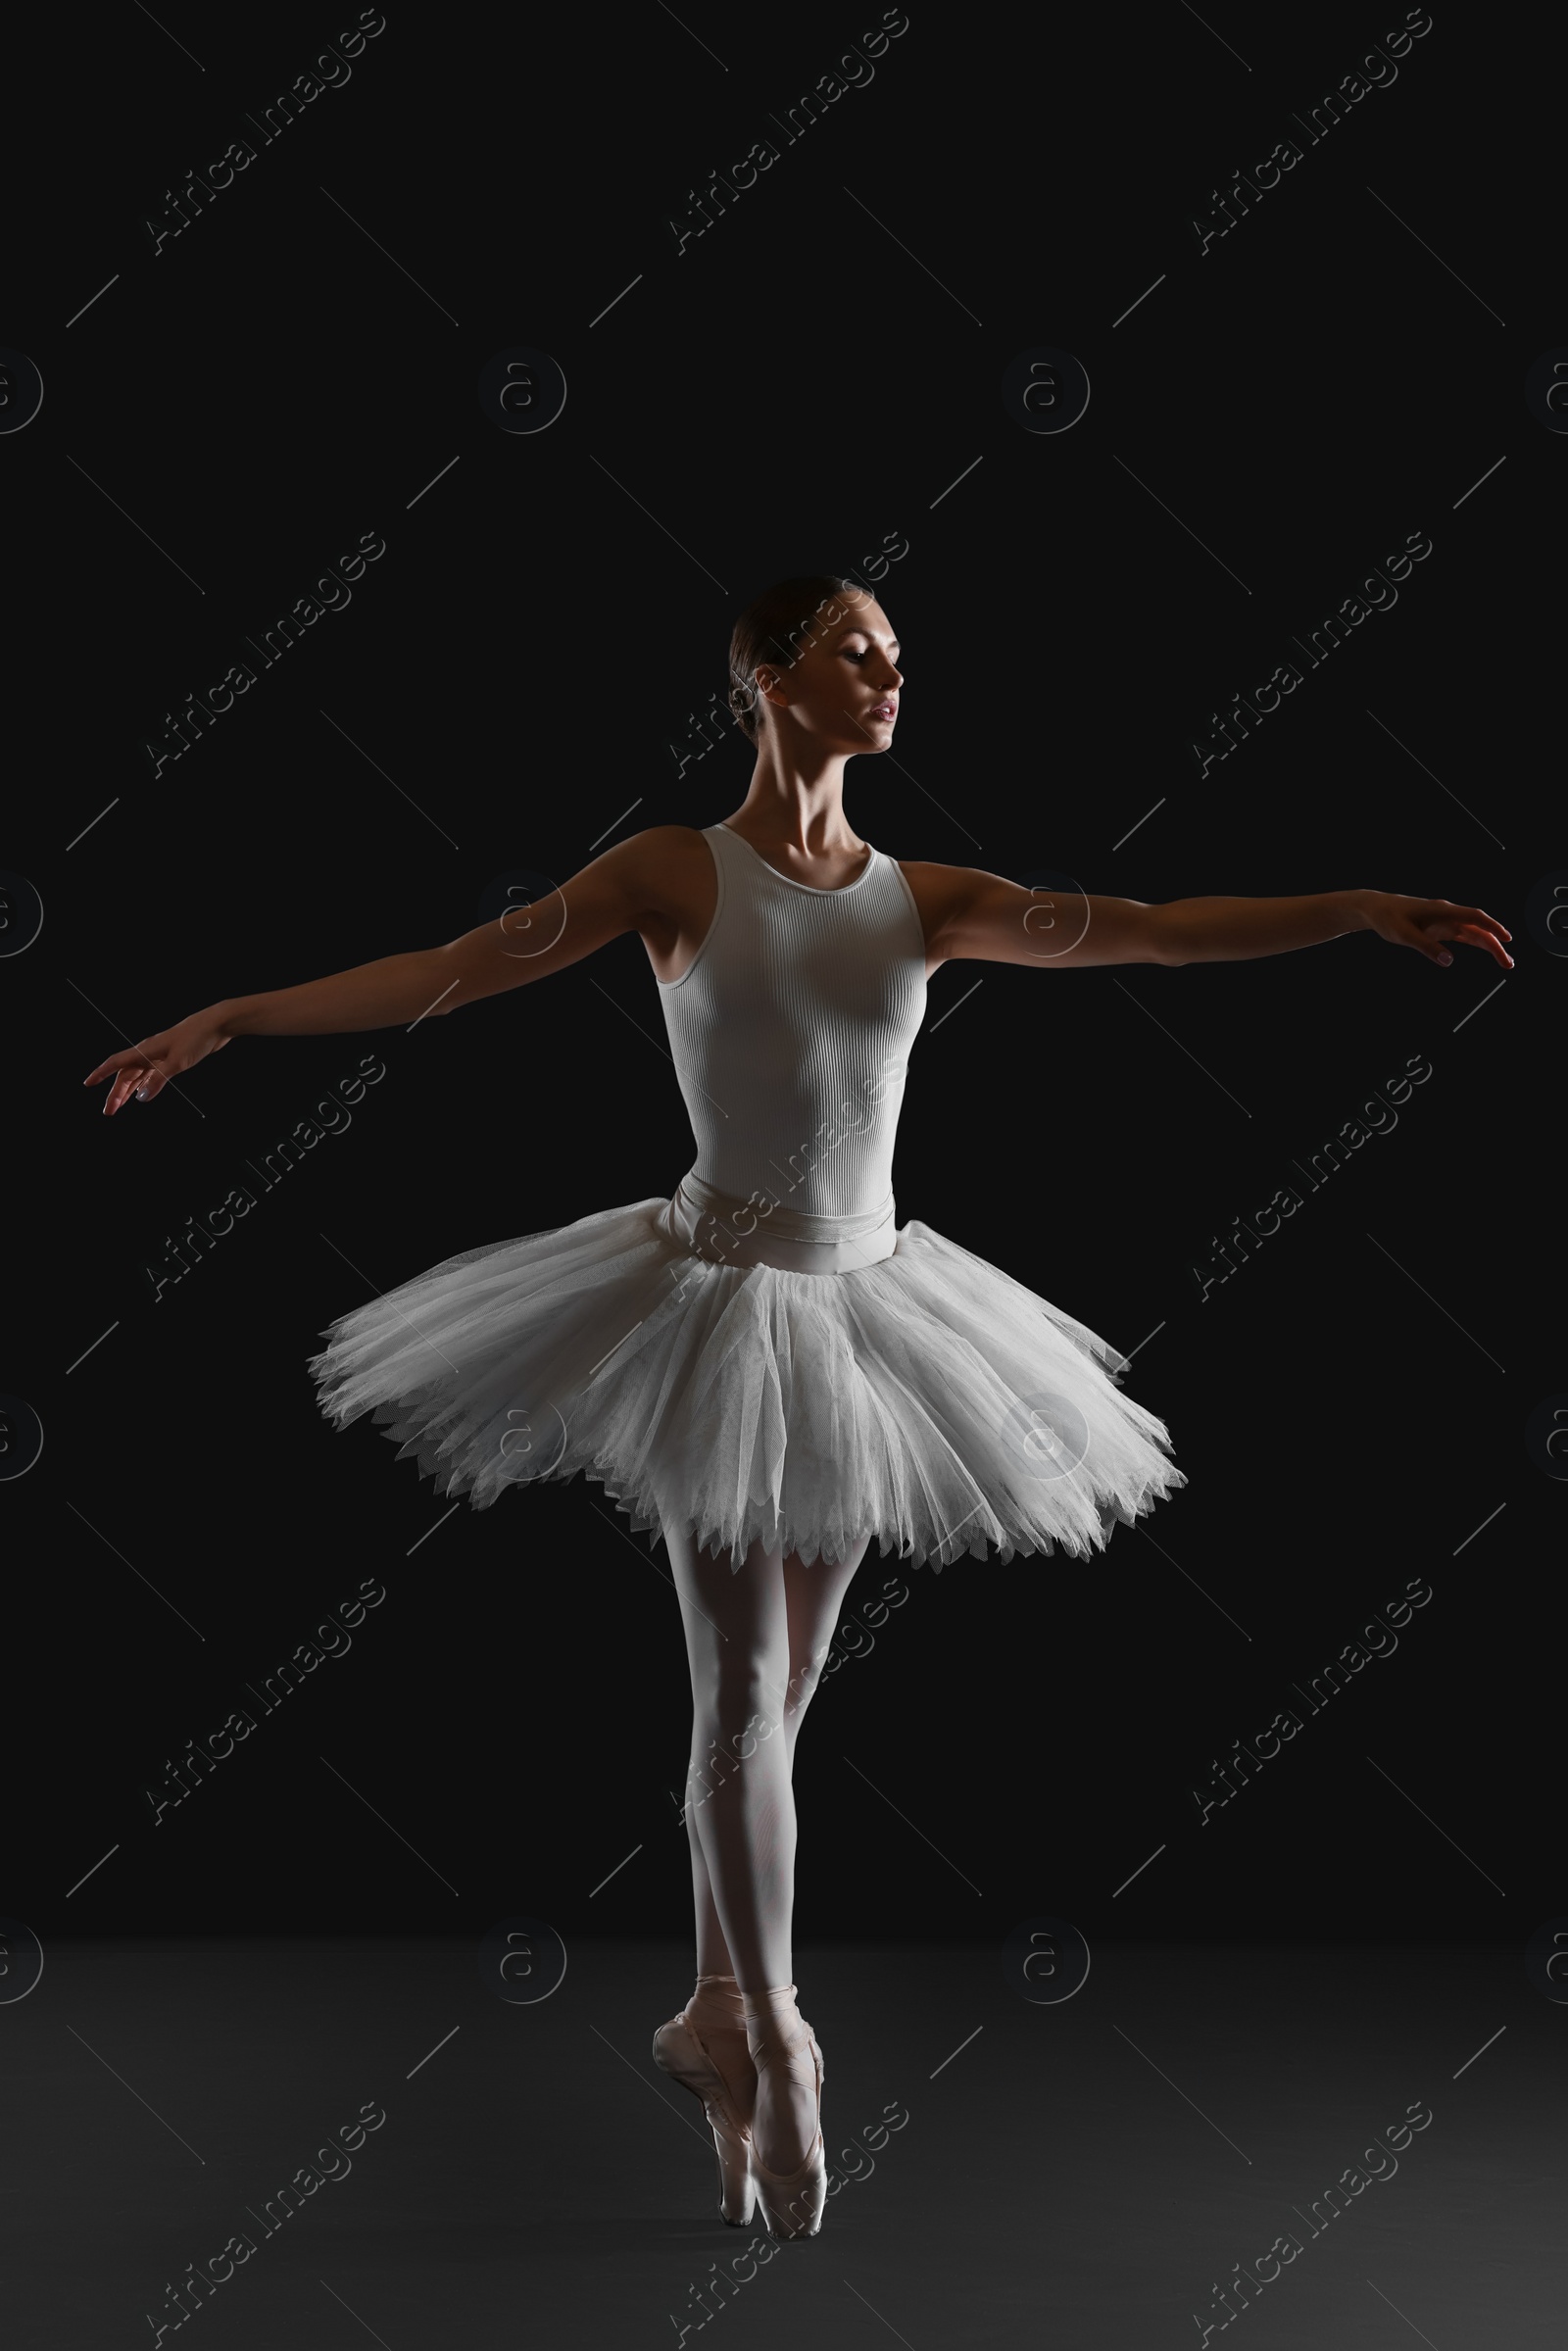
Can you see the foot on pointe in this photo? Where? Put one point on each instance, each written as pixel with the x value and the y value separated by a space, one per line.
pixel 716 2015
pixel 785 2122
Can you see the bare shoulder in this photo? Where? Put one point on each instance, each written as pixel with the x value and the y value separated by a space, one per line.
pixel 660 862
pixel 941 892
pixel 939 885
pixel 668 840
pixel 667 885
pixel 968 913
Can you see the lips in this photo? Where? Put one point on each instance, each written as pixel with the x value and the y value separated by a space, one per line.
pixel 884 709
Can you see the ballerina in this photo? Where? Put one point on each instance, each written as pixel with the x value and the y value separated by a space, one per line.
pixel 764 1368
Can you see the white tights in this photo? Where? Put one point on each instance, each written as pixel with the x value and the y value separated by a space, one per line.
pixel 757 1639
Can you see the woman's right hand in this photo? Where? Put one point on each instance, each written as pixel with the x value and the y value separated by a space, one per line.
pixel 145 1069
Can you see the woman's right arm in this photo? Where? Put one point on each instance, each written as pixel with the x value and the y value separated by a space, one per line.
pixel 638 885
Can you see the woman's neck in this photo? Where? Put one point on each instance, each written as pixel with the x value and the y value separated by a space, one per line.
pixel 796 810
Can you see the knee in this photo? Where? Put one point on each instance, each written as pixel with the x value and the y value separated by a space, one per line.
pixel 805 1677
pixel 747 1703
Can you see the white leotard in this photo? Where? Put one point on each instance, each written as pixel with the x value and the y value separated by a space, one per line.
pixel 790 1031
pixel 768 1357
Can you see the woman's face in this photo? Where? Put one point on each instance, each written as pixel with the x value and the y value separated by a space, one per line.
pixel 843 690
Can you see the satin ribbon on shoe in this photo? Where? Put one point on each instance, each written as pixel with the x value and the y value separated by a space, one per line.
pixel 724 1230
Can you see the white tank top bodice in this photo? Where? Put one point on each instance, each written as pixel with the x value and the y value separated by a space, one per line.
pixel 790 1031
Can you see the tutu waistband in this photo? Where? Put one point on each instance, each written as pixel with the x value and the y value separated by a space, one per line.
pixel 726 1231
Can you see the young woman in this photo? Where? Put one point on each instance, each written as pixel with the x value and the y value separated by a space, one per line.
pixel 764 1366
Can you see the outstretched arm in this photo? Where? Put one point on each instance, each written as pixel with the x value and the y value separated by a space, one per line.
pixel 634 886
pixel 970 913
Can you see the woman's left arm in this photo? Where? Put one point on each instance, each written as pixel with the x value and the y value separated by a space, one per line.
pixel 1223 930
pixel 970 913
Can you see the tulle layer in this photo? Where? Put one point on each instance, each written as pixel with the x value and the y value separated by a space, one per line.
pixel 929 1400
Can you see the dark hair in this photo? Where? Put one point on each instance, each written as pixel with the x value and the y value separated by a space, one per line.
pixel 778 628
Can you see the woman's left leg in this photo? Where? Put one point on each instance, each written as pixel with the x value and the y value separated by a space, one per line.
pixel 813 1600
pixel 753 1678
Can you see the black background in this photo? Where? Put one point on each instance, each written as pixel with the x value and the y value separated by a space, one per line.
pixel 508 680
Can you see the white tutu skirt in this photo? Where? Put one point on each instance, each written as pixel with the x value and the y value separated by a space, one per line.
pixel 927 1399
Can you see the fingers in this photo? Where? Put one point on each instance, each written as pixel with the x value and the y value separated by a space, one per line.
pixel 1427 939
pixel 137 1078
pixel 1476 928
pixel 1475 934
pixel 1478 915
pixel 1472 927
pixel 136 1070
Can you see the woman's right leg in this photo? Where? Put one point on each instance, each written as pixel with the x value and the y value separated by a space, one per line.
pixel 740 1806
pixel 813 1601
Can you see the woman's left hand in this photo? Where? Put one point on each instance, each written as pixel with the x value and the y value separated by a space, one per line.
pixel 1424 923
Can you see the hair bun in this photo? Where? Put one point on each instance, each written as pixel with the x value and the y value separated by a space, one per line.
pixel 772 633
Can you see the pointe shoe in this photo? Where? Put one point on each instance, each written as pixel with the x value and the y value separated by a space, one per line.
pixel 792 2201
pixel 680 2051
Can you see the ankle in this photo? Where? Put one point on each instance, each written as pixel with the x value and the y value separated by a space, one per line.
pixel 774 2026
pixel 717 2003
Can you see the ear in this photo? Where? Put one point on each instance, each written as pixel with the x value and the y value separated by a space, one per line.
pixel 769 688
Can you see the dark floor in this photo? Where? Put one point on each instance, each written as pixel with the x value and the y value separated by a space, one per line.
pixel 1086 2173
